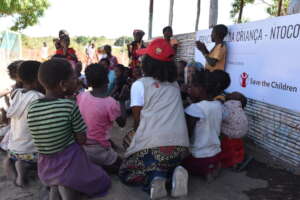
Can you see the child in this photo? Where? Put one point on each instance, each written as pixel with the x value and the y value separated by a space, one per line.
pixel 21 150
pixel 99 111
pixel 204 119
pixel 111 74
pixel 58 131
pixel 216 58
pixel 121 81
pixel 234 127
pixel 223 84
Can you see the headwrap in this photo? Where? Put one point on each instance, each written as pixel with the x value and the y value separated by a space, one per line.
pixel 199 66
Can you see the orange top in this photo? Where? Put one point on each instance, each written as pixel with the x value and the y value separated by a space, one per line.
pixel 218 53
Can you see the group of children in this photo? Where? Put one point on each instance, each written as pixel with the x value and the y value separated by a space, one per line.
pixel 52 121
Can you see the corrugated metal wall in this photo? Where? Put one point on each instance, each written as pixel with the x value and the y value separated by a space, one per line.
pixel 275 129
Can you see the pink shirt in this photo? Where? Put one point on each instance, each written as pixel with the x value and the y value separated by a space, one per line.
pixel 98 114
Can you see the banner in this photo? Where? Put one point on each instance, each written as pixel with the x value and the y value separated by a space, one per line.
pixel 263 59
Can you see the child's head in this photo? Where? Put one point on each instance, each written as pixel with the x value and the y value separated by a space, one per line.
pixel 119 70
pixel 28 74
pixel 223 80
pixel 96 76
pixel 203 86
pixel 219 32
pixel 238 97
pixel 105 62
pixel 168 32
pixel 138 35
pixel 78 68
pixel 13 69
pixel 58 77
pixel 107 49
pixel 137 73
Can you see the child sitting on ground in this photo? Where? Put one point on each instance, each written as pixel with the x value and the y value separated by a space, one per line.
pixel 234 128
pixel 204 119
pixel 99 111
pixel 21 150
pixel 58 130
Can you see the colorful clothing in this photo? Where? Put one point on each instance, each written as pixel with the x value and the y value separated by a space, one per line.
pixel 141 167
pixel 53 123
pixel 219 53
pixel 235 122
pixel 29 157
pixel 71 168
pixel 233 151
pixel 134 60
pixel 113 62
pixel 99 115
pixel 71 54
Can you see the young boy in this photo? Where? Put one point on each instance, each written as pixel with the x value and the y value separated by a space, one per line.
pixel 21 150
pixel 216 58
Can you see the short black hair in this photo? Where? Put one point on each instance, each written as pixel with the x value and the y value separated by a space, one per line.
pixel 244 101
pixel 59 56
pixel 167 28
pixel 206 80
pixel 223 80
pixel 13 68
pixel 28 71
pixel 105 60
pixel 221 30
pixel 160 70
pixel 107 46
pixel 53 71
pixel 121 67
pixel 96 75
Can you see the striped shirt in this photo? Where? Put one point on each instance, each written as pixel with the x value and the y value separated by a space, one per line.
pixel 53 124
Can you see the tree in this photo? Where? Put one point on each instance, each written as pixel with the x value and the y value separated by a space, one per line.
pixel 121 40
pixel 237 8
pixel 83 40
pixel 198 14
pixel 272 9
pixel 213 13
pixel 26 12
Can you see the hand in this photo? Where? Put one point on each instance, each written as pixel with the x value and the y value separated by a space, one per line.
pixel 80 138
pixel 201 47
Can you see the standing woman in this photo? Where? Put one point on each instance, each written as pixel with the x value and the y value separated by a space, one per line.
pixel 161 139
pixel 134 46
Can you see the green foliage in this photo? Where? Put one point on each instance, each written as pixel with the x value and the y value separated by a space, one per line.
pixel 82 40
pixel 236 6
pixel 272 9
pixel 121 40
pixel 26 12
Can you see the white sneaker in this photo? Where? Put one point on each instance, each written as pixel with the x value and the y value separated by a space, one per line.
pixel 180 182
pixel 158 188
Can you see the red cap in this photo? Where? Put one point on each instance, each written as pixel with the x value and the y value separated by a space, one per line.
pixel 159 49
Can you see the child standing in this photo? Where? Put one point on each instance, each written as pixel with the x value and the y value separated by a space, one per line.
pixel 234 127
pixel 21 150
pixel 216 58
pixel 204 119
pixel 99 111
pixel 58 130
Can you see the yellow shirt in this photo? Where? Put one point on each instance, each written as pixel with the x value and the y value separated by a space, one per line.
pixel 218 53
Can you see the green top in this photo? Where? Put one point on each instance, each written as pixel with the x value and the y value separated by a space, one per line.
pixel 53 123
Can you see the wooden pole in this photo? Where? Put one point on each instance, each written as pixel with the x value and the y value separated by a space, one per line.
pixel 279 7
pixel 241 11
pixel 171 12
pixel 150 19
pixel 198 14
pixel 213 13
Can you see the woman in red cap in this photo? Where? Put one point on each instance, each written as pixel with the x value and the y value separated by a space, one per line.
pixel 161 139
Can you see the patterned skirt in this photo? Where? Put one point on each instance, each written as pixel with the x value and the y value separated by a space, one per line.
pixel 233 152
pixel 140 168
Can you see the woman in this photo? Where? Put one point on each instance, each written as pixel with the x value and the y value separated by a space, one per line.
pixel 161 139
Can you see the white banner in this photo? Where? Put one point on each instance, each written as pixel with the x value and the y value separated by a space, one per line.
pixel 263 59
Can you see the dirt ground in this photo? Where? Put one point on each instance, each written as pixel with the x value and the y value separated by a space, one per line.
pixel 257 182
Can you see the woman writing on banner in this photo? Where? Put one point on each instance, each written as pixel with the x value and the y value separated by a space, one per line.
pixel 215 59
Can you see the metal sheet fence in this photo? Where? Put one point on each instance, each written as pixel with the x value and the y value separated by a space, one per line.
pixel 275 129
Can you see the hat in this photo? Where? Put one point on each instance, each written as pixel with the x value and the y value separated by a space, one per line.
pixel 158 49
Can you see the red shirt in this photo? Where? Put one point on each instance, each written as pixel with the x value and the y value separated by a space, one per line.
pixel 71 54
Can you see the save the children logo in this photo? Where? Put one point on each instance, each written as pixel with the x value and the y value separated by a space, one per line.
pixel 243 79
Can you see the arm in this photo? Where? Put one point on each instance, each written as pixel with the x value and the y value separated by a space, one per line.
pixel 136 113
pixel 78 126
pixel 191 123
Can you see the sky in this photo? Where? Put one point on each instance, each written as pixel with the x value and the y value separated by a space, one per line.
pixel 114 18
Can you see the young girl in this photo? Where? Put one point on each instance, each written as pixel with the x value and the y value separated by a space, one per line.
pixel 204 119
pixel 21 150
pixel 58 131
pixel 234 128
pixel 121 81
pixel 99 111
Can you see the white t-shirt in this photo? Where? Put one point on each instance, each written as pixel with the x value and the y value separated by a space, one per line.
pixel 205 140
pixel 44 52
pixel 137 94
